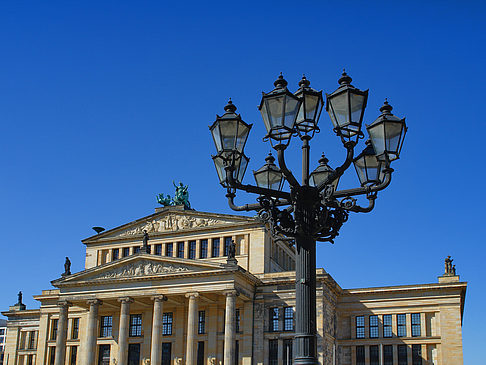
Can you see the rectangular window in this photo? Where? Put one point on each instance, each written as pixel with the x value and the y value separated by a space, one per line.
pixel 54 329
pixel 74 355
pixel 416 354
pixel 227 244
pixel 169 249
pixel 288 318
pixel 388 355
pixel 104 355
pixel 135 325
pixel 237 318
pixel 401 325
pixel 237 352
pixel 374 355
pixel 2 332
pixel 180 250
pixel 274 319
pixel 360 355
pixel 287 352
pixel 360 327
pixel 136 249
pixel 126 251
pixel 52 355
pixel 116 254
pixel 167 319
pixel 203 249
pixel 215 250
pixel 416 325
pixel 201 323
pixel 158 249
pixel 32 340
pixel 402 354
pixel 106 325
pixel 373 326
pixel 387 325
pixel 192 250
pixel 75 329
pixel 273 352
pixel 30 359
pixel 166 353
pixel 200 353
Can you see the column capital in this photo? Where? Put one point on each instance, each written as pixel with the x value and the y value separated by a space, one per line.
pixel 192 295
pixel 64 304
pixel 159 298
pixel 125 300
pixel 231 293
pixel 94 302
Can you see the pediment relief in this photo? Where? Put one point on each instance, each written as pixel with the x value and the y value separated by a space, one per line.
pixel 137 267
pixel 173 223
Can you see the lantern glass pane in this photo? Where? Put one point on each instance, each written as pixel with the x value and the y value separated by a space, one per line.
pixel 275 110
pixel 393 131
pixel 228 129
pixel 291 109
pixel 377 136
pixel 219 164
pixel 217 137
pixel 357 103
pixel 242 136
pixel 311 106
pixel 339 105
pixel 274 180
pixel 241 164
pixel 264 112
pixel 368 169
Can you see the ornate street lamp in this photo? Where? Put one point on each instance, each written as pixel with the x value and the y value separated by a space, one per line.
pixel 387 133
pixel 313 210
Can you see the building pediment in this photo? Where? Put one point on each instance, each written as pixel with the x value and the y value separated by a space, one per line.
pixel 170 220
pixel 138 267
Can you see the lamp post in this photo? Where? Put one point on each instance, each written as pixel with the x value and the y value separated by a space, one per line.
pixel 314 209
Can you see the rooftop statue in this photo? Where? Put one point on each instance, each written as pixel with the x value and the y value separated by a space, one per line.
pixel 181 197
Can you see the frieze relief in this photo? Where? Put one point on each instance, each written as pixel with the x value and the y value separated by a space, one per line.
pixel 173 223
pixel 138 269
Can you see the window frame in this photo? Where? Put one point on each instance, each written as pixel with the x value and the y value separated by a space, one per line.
pixel 126 251
pixel 360 329
pixel 135 328
pixel 116 254
pixel 75 329
pixel 167 323
pixel 158 249
pixel 401 327
pixel 54 327
pixel 273 317
pixel 201 322
pixel 416 327
pixel 180 250
pixel 192 250
pixel 203 249
pixel 288 319
pixel 215 247
pixel 373 329
pixel 360 355
pixel 106 328
pixel 227 244
pixel 387 327
pixel 169 248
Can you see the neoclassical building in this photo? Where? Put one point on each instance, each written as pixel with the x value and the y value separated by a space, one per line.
pixel 177 298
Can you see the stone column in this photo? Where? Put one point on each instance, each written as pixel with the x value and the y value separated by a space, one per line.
pixel 230 328
pixel 191 329
pixel 62 328
pixel 123 330
pixel 92 329
pixel 156 349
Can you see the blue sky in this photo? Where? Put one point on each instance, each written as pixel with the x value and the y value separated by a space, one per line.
pixel 103 104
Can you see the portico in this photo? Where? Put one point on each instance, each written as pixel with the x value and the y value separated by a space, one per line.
pixel 169 305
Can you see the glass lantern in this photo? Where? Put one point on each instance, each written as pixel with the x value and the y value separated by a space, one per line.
pixel 310 109
pixel 368 167
pixel 321 173
pixel 269 175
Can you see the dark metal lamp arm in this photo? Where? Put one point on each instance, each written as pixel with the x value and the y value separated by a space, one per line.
pixel 371 200
pixel 367 189
pixel 340 170
pixel 249 207
pixel 255 189
pixel 283 167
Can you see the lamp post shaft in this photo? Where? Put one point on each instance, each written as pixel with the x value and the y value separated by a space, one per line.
pixel 305 302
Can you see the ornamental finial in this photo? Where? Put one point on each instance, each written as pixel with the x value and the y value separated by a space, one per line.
pixel 230 107
pixel 386 108
pixel 304 82
pixel 280 83
pixel 345 79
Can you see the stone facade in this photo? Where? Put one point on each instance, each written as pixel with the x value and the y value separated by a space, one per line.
pixel 184 302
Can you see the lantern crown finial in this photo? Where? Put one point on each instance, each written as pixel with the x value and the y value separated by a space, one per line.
pixel 386 108
pixel 345 79
pixel 280 83
pixel 230 107
pixel 323 160
pixel 304 82
pixel 270 159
